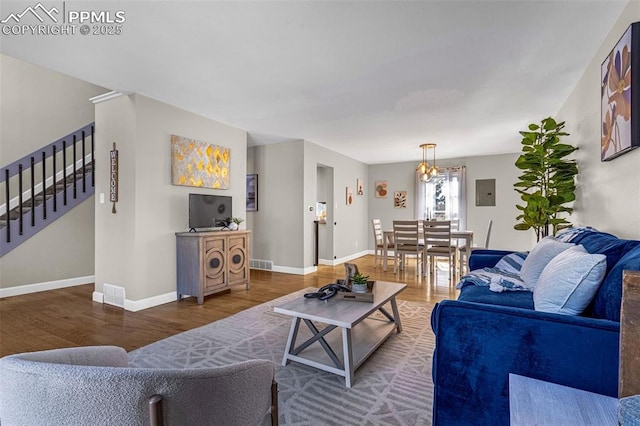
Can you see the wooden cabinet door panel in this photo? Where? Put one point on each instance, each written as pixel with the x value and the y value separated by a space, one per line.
pixel 214 264
pixel 238 259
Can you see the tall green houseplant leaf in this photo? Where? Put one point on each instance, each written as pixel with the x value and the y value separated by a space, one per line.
pixel 547 183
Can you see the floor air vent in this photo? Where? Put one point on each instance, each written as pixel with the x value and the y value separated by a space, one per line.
pixel 265 265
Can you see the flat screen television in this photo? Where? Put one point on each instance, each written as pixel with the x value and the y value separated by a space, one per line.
pixel 208 211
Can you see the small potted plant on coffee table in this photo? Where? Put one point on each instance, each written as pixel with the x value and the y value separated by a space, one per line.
pixel 359 283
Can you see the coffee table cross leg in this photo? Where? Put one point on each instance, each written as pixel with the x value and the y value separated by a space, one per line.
pixel 396 314
pixel 395 317
pixel 319 337
pixel 387 314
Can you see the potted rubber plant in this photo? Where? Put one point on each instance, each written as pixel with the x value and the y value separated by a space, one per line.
pixel 547 183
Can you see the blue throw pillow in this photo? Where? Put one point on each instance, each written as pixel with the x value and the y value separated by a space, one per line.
pixel 606 304
pixel 568 235
pixel 512 262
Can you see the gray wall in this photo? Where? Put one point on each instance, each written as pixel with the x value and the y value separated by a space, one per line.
pixel 277 225
pixel 608 193
pixel 38 106
pixel 61 251
pixel 283 227
pixel 401 177
pixel 350 233
pixel 135 248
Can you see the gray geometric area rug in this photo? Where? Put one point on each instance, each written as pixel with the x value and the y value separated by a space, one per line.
pixel 392 387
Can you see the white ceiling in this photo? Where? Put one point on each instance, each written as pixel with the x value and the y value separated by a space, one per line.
pixel 371 80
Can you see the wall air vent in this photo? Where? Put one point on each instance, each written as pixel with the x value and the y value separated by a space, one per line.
pixel 265 265
pixel 113 295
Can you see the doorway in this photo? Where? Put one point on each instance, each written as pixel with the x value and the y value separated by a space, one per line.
pixel 324 214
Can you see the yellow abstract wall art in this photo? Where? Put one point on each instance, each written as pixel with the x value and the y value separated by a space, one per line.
pixel 199 164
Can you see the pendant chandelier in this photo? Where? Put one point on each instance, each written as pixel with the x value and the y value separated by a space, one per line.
pixel 424 171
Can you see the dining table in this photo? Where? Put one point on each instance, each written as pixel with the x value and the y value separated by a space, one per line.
pixel 465 235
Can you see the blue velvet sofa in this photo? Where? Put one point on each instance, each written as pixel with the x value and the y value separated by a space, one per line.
pixel 483 336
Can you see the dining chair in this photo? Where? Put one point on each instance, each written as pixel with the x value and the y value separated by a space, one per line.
pixel 378 237
pixel 437 243
pixel 465 251
pixel 407 240
pixel 455 226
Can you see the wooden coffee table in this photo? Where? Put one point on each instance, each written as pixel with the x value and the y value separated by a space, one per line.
pixel 361 332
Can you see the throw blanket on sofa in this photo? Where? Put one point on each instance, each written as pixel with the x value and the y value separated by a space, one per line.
pixel 505 276
pixel 567 235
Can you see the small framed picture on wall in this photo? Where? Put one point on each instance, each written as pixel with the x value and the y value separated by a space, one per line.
pixel 400 199
pixel 381 189
pixel 252 193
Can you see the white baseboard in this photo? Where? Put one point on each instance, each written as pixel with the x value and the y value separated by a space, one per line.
pixel 288 270
pixel 310 270
pixel 373 253
pixel 294 271
pixel 346 258
pixel 49 285
pixel 97 296
pixel 327 262
pixel 138 305
pixel 150 302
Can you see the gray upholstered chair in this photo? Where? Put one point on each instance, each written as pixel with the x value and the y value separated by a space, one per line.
pixel 94 385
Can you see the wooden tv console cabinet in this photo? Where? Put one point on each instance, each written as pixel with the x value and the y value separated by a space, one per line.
pixel 211 262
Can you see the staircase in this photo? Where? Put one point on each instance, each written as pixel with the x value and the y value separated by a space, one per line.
pixel 44 185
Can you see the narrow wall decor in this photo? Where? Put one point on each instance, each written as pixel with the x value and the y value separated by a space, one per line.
pixel 252 193
pixel 349 196
pixel 400 199
pixel 113 177
pixel 199 164
pixel 381 189
pixel 359 187
pixel 620 93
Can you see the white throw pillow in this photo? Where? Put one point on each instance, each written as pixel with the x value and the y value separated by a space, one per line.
pixel 539 257
pixel 569 282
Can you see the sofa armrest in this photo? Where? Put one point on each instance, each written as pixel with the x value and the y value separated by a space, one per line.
pixel 478 345
pixel 482 258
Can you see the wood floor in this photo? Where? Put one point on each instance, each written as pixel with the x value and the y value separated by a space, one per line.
pixel 68 317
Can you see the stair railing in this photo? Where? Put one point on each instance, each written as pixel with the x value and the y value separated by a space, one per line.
pixel 54 181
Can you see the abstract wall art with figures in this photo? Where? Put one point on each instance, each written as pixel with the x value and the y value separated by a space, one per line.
pixel 620 90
